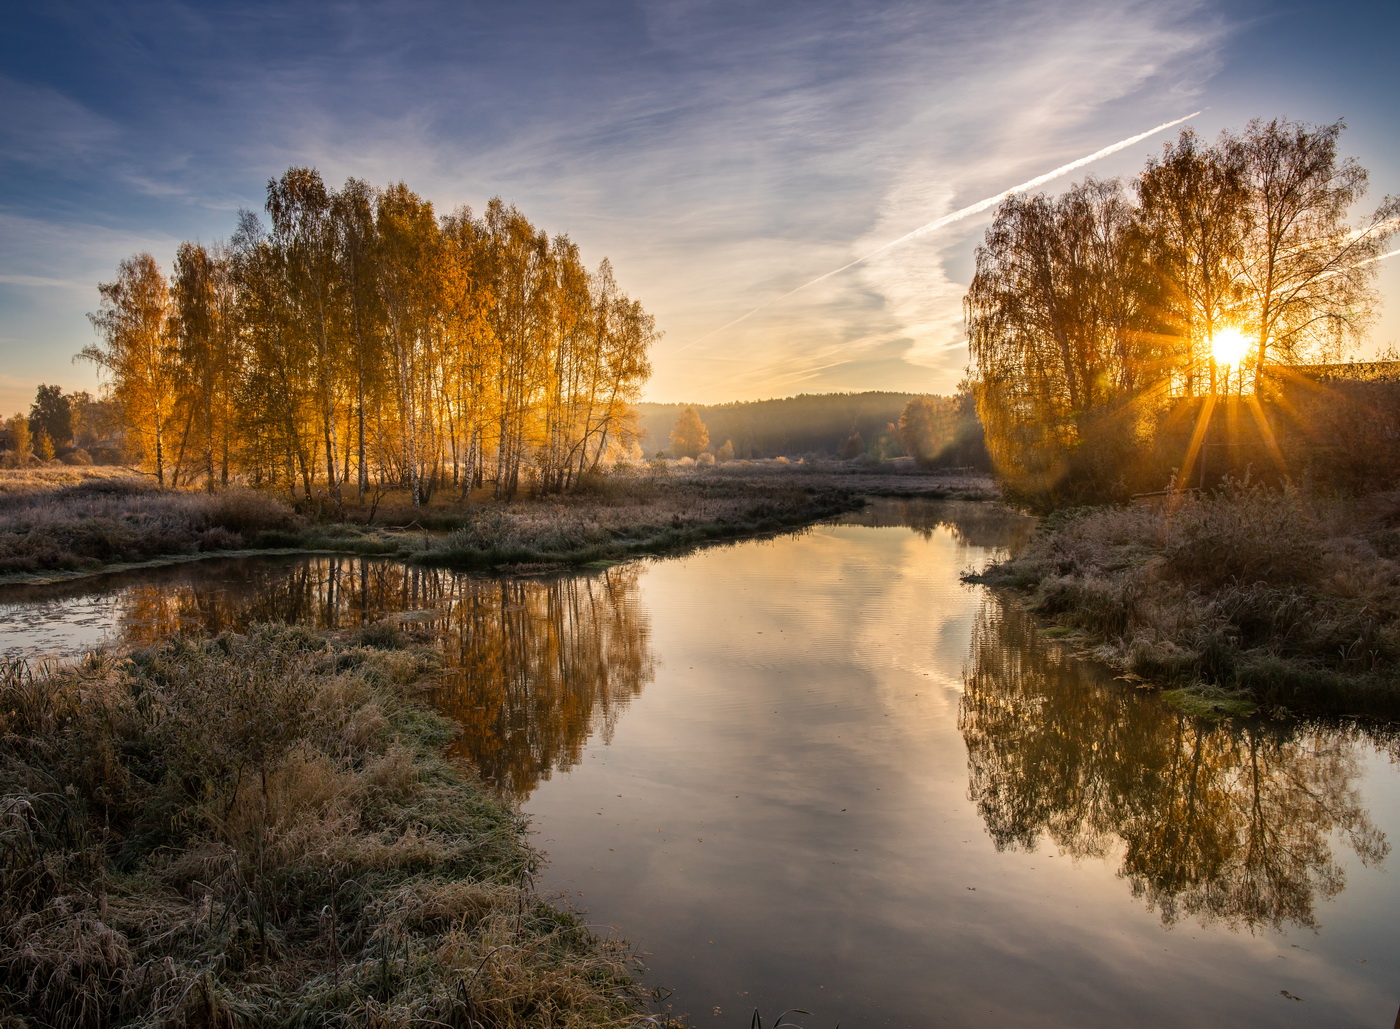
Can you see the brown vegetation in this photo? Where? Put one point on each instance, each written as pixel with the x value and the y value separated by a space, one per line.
pixel 85 519
pixel 1279 598
pixel 657 510
pixel 260 830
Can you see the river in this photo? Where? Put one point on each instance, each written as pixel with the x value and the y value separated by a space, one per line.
pixel 820 772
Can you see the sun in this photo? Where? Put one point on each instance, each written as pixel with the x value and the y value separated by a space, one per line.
pixel 1228 346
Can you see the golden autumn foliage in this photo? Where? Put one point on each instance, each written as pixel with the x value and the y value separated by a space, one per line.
pixel 689 436
pixel 361 342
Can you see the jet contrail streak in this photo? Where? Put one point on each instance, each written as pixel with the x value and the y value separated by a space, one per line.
pixel 1373 260
pixel 1325 275
pixel 956 216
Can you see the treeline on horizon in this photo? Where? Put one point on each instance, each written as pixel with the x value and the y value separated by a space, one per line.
pixel 878 424
pixel 810 423
pixel 1091 315
pixel 360 341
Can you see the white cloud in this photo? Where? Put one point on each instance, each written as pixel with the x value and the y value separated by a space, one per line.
pixel 38 253
pixel 1006 96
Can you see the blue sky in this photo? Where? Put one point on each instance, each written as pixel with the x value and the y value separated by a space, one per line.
pixel 720 153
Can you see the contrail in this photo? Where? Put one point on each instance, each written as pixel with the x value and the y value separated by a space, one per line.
pixel 1325 275
pixel 1369 260
pixel 956 216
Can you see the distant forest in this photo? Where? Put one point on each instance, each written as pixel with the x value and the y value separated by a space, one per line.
pixel 806 424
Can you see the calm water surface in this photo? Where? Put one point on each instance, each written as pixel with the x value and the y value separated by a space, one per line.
pixel 819 772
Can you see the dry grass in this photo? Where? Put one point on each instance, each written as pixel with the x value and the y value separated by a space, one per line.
pixel 259 830
pixel 85 522
pixel 899 477
pixel 51 524
pixel 673 505
pixel 48 478
pixel 619 517
pixel 1286 598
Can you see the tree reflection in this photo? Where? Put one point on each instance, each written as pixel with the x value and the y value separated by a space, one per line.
pixel 1218 822
pixel 539 666
pixel 531 668
pixel 972 523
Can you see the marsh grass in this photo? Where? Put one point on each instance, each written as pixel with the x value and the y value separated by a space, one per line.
pixel 48 524
pixel 1276 597
pixel 261 830
pixel 74 520
pixel 626 517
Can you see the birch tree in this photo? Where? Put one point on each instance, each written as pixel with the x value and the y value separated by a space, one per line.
pixel 137 350
pixel 1306 267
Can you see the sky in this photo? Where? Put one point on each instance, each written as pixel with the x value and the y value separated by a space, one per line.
pixel 720 153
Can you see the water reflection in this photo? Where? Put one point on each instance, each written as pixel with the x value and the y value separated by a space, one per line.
pixel 538 667
pixel 1230 823
pixel 971 523
pixel 531 667
pixel 784 819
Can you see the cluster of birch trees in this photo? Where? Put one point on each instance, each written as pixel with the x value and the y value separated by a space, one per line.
pixel 1086 304
pixel 361 342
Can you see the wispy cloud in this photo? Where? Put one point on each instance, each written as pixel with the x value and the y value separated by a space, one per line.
pixel 1006 95
pixel 49 273
pixel 720 152
pixel 41 282
pixel 950 219
pixel 42 128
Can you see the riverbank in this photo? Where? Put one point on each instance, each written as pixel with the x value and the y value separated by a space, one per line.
pixel 1242 599
pixel 264 830
pixel 61 524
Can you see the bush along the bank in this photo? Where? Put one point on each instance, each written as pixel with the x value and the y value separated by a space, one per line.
pixel 1272 597
pixel 261 830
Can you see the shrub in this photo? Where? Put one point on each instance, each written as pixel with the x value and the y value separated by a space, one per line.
pixel 248 512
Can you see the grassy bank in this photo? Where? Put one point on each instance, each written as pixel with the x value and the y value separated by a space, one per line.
pixel 616 519
pixel 261 830
pixel 1245 597
pixel 72 524
pixel 49 524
